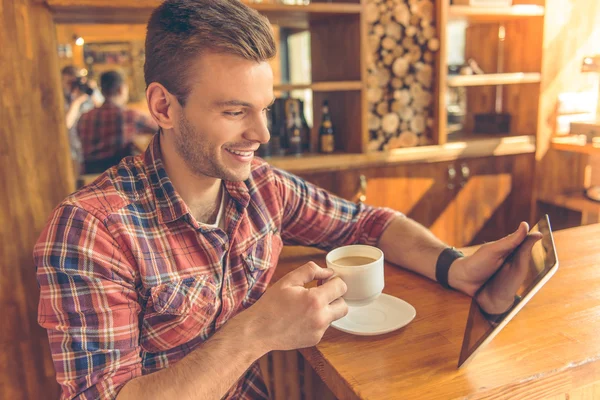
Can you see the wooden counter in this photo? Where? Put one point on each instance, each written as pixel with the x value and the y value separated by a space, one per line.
pixel 316 163
pixel 550 350
pixel 481 147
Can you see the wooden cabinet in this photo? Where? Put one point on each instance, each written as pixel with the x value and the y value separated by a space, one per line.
pixel 421 191
pixel 463 202
pixel 493 198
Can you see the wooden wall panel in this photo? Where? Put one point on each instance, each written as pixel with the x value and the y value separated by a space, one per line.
pixel 523 55
pixel 482 46
pixel 571 31
pixel 99 33
pixel 35 174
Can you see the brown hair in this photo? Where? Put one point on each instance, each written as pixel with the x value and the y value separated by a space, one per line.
pixel 180 30
pixel 111 82
pixel 70 70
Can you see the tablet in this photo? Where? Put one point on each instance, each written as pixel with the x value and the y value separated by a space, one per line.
pixel 543 263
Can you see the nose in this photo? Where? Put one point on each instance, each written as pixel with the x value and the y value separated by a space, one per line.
pixel 259 131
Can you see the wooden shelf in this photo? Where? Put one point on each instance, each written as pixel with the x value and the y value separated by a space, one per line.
pixel 572 201
pixel 494 14
pixel 322 86
pixel 472 148
pixel 462 136
pixel 300 16
pixel 513 78
pixel 575 145
pixel 312 8
pixel 314 163
pixel 134 11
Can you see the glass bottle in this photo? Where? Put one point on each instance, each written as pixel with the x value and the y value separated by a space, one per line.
pixel 326 134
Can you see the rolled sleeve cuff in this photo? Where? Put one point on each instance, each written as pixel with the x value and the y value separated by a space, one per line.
pixel 374 222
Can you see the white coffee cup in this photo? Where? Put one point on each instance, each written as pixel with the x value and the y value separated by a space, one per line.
pixel 365 281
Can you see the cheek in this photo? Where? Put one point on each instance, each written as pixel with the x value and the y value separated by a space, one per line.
pixel 214 131
pixel 225 130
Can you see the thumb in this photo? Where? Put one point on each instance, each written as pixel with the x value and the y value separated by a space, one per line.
pixel 508 243
pixel 527 247
pixel 307 273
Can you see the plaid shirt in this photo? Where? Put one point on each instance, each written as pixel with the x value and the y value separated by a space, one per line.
pixel 108 130
pixel 130 282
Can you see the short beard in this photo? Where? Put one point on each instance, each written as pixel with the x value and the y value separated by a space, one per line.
pixel 196 153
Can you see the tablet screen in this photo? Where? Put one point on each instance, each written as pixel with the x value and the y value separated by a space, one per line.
pixel 542 264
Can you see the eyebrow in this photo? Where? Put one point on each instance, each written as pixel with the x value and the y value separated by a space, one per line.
pixel 238 103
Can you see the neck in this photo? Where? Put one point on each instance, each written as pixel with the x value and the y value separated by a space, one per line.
pixel 114 100
pixel 199 192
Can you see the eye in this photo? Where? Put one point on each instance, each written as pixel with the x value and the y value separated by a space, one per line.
pixel 267 109
pixel 233 113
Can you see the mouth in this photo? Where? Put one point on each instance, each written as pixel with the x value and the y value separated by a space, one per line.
pixel 243 153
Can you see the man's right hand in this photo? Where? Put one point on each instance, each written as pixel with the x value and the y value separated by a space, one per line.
pixel 289 316
pixel 79 97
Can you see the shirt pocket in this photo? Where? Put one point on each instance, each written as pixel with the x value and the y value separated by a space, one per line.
pixel 260 261
pixel 177 312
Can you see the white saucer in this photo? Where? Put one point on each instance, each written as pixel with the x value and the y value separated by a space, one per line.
pixel 384 315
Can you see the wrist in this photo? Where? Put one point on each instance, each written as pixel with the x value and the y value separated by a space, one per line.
pixel 455 275
pixel 246 325
pixel 80 100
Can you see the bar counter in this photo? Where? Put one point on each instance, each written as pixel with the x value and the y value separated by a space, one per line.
pixel 550 350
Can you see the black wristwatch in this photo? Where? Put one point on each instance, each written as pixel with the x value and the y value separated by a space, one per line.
pixel 444 261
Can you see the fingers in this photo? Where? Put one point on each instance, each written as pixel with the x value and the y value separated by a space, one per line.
pixel 524 252
pixel 332 290
pixel 512 276
pixel 338 309
pixel 508 243
pixel 307 273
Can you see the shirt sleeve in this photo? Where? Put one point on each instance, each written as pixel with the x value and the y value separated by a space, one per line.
pixel 88 305
pixel 314 217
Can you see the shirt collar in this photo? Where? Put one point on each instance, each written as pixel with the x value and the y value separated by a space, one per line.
pixel 109 104
pixel 169 204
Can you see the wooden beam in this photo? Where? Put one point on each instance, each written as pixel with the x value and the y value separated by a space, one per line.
pixel 35 175
pixel 139 4
pixel 494 14
pixel 132 12
pixel 513 78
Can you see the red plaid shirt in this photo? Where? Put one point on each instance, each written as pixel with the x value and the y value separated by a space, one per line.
pixel 108 130
pixel 130 282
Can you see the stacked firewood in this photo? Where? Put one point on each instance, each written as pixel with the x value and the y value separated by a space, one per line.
pixel 402 41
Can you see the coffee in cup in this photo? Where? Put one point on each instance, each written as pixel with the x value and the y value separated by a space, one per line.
pixel 353 261
pixel 361 268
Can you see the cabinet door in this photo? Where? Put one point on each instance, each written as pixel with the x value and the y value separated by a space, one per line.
pixel 421 191
pixel 493 196
pixel 325 180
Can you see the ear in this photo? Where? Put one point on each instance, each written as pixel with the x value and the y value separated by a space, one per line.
pixel 163 105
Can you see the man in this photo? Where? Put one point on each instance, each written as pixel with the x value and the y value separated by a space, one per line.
pixel 153 278
pixel 107 132
pixel 76 103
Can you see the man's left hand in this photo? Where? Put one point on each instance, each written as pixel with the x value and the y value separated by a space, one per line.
pixel 468 274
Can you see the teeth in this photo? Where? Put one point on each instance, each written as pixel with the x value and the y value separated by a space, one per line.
pixel 241 153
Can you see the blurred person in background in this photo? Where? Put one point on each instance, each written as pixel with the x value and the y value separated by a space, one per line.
pixel 107 132
pixel 80 97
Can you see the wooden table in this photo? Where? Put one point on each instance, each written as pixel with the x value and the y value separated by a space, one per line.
pixel 550 349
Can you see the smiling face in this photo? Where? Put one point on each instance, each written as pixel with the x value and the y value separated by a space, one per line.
pixel 224 118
